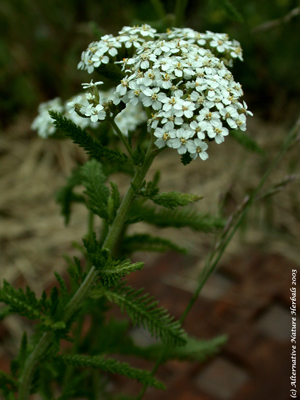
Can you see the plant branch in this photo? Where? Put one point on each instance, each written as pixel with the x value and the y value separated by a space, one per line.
pixel 121 136
pixel 109 243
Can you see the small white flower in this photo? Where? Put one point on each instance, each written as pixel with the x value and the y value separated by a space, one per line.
pixel 72 104
pixel 152 98
pixel 95 113
pixel 163 137
pixel 91 84
pixel 243 109
pixel 197 147
pixel 185 108
pixel 180 138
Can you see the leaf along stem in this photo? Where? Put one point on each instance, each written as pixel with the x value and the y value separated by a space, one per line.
pixel 109 243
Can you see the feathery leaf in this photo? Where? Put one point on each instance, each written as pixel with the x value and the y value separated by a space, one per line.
pixel 111 270
pixel 143 311
pixel 79 136
pixel 111 365
pixel 174 218
pixel 93 180
pixel 174 199
pixel 146 242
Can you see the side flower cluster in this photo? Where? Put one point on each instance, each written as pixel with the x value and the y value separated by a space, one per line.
pixel 127 120
pixel 181 78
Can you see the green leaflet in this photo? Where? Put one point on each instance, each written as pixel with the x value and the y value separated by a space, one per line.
pixel 48 310
pixel 22 302
pixel 114 201
pixel 146 242
pixel 111 365
pixel 93 180
pixel 174 199
pixel 7 382
pixel 144 312
pixel 79 136
pixel 110 270
pixel 174 218
pixel 169 200
pixel 193 350
pixel 186 158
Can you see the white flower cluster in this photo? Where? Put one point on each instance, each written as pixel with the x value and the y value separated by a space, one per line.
pixel 181 79
pixel 127 120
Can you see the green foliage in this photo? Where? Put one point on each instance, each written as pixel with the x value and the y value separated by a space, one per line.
pixel 143 311
pixel 111 365
pixel 110 270
pixel 111 71
pixel 93 180
pixel 92 146
pixel 229 9
pixel 146 242
pixel 4 312
pixel 174 199
pixel 245 140
pixel 175 218
pixel 113 202
pixel 186 158
pixel 194 350
pixel 48 310
pixel 138 155
pixel 7 383
pixel 22 302
pixel 66 196
pixel 148 189
pixel 169 200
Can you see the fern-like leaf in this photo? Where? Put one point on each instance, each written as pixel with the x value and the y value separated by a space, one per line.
pixel 79 136
pixel 113 202
pixel 22 302
pixel 110 270
pixel 93 180
pixel 143 311
pixel 146 242
pixel 175 218
pixel 111 365
pixel 7 382
pixel 174 199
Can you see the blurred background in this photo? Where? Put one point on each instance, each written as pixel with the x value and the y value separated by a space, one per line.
pixel 248 298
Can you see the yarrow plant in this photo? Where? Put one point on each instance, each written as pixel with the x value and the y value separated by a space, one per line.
pixel 162 90
pixel 180 78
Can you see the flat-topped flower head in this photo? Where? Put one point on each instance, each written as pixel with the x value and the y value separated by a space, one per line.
pixel 180 78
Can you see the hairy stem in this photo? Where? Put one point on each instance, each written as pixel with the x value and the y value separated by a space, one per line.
pixel 121 136
pixel 109 243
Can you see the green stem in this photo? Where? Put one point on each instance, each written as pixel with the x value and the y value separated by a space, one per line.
pixel 121 136
pixel 109 243
pixel 179 12
pixel 159 8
